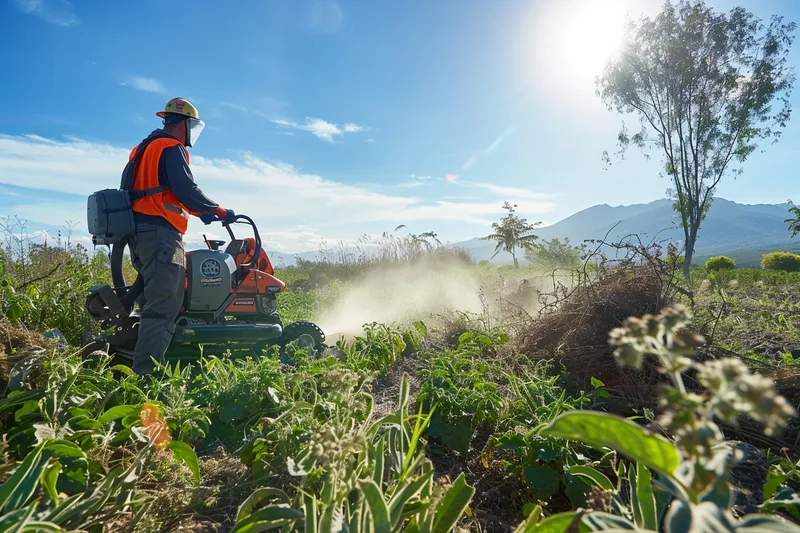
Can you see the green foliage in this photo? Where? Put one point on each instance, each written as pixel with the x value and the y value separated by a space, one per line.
pixel 720 262
pixel 693 469
pixel 511 233
pixel 459 382
pixel 785 261
pixel 555 254
pixel 351 472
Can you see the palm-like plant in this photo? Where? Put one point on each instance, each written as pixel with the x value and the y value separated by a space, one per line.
pixel 794 223
pixel 512 232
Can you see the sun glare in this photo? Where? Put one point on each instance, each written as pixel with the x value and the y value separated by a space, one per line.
pixel 577 37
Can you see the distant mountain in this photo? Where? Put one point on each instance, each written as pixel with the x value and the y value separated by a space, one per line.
pixel 733 229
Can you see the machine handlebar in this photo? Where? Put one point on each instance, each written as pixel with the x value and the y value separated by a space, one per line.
pixel 249 221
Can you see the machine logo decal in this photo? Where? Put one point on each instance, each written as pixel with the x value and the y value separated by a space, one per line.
pixel 210 269
pixel 244 302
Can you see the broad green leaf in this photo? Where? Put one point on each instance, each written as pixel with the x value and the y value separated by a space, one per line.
pixel 679 517
pixel 185 453
pixel 19 397
pixel 559 523
pixel 603 430
pixel 774 479
pixel 645 498
pixel 258 497
pixel 18 488
pixel 64 449
pixel 120 411
pixel 765 524
pixel 267 518
pixel 601 521
pixel 452 505
pixel 597 477
pixel 376 505
pixel 543 480
pixel 14 312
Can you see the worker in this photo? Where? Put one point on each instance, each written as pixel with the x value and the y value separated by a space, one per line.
pixel 160 166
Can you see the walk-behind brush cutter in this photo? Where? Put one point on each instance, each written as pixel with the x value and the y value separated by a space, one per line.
pixel 230 303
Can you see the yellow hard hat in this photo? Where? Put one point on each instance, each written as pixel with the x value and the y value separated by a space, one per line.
pixel 179 106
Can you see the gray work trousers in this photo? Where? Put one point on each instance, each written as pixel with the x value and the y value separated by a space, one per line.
pixel 158 255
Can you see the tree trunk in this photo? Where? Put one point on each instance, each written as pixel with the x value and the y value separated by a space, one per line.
pixel 516 262
pixel 691 238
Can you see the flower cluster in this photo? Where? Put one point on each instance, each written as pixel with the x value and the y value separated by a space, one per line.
pixel 731 390
pixel 664 335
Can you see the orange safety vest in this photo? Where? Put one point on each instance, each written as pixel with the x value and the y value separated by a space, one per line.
pixel 163 204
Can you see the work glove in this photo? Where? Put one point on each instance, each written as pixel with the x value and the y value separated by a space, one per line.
pixel 219 214
pixel 208 217
pixel 225 215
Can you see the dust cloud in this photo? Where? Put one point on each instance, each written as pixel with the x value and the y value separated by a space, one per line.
pixel 402 294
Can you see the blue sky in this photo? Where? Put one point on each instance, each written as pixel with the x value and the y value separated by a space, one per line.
pixel 328 119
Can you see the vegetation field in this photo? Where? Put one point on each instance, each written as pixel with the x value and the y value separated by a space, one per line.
pixel 451 396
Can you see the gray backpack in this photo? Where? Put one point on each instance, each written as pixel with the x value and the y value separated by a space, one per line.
pixel 109 212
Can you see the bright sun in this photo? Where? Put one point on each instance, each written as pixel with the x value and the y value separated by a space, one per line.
pixel 579 36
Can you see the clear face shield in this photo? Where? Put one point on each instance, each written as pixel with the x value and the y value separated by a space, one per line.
pixel 194 127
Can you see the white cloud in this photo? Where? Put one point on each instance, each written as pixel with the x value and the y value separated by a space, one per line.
pixel 452 178
pixel 146 84
pixel 321 128
pixel 502 190
pixel 58 12
pixel 283 200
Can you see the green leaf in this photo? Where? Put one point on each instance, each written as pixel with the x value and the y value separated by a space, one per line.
pixel 376 505
pixel 774 480
pixel 49 478
pixel 645 498
pixel 122 369
pixel 559 523
pixel 64 449
pixel 271 517
pixel 602 430
pixel 14 312
pixel 766 524
pixel 679 517
pixel 310 507
pixel 452 505
pixel 19 397
pixel 18 488
pixel 401 497
pixel 378 472
pixel 597 477
pixel 601 521
pixel 543 480
pixel 596 383
pixel 185 453
pixel 120 411
pixel 257 498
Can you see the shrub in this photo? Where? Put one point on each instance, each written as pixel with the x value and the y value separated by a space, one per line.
pixel 720 262
pixel 781 261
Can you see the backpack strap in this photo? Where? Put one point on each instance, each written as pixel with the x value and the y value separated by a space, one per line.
pixel 129 174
